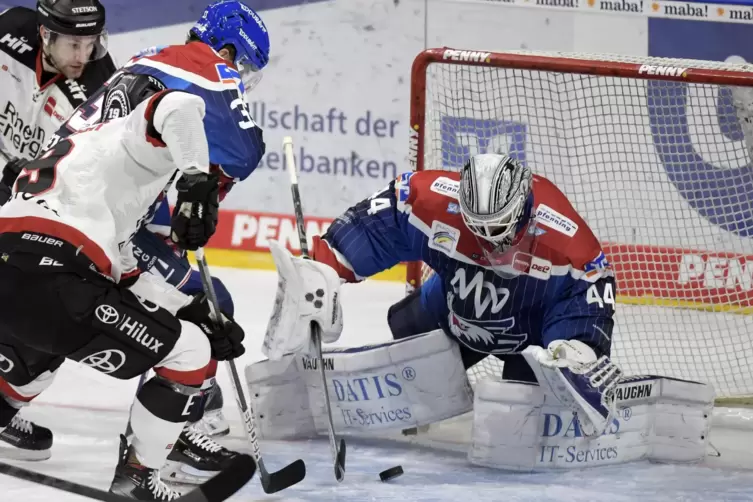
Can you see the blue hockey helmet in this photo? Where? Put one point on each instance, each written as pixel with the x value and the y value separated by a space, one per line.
pixel 230 22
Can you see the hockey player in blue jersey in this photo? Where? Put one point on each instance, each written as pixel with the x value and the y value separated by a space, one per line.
pixel 514 265
pixel 518 275
pixel 221 61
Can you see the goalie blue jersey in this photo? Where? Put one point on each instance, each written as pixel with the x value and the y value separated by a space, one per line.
pixel 553 283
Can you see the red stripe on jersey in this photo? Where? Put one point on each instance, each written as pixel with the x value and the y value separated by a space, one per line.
pixel 8 390
pixel 63 232
pixel 321 252
pixel 151 132
pixel 193 377
pixel 195 57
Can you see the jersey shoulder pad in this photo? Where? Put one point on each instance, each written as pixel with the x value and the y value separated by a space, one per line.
pixel 95 75
pixel 194 58
pixel 559 227
pixel 433 196
pixel 18 30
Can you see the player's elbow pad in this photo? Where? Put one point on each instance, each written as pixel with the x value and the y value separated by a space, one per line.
pixel 179 118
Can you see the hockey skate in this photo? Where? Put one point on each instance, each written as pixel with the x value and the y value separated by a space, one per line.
pixel 195 458
pixel 138 481
pixel 24 440
pixel 213 422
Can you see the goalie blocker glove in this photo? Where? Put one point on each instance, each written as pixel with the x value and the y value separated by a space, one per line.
pixel 226 340
pixel 195 215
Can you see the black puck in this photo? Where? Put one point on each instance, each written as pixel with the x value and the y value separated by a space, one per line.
pixel 391 473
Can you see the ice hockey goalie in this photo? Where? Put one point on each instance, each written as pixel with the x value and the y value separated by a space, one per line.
pixel 519 275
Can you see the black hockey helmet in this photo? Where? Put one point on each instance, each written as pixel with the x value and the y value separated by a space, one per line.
pixel 72 17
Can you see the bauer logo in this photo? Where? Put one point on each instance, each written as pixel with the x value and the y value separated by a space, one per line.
pixel 548 217
pixel 444 238
pixel 467 56
pixel 666 71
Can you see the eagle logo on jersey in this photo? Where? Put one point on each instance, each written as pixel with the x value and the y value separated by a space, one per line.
pixel 492 333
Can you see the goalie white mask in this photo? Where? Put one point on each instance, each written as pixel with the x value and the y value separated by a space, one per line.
pixel 494 189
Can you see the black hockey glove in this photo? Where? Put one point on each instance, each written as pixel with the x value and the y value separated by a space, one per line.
pixel 10 172
pixel 226 341
pixel 194 218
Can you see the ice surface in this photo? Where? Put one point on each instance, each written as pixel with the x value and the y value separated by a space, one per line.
pixel 87 411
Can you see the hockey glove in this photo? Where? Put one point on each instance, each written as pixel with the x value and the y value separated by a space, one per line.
pixel 10 173
pixel 194 218
pixel 226 340
pixel 307 292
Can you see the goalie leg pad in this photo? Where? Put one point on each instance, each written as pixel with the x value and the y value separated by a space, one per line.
pixel 395 385
pixel 518 426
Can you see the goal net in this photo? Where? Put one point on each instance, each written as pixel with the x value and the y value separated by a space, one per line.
pixel 654 154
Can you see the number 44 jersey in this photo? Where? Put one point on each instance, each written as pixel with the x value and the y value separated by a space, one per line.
pixel 552 283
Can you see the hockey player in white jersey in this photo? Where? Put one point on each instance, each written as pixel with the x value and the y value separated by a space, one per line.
pixel 70 285
pixel 53 60
pixel 222 58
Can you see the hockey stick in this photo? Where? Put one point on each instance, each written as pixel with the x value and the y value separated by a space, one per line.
pixel 219 488
pixel 337 453
pixel 271 482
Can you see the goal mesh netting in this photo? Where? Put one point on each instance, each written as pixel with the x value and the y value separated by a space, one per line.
pixel 653 154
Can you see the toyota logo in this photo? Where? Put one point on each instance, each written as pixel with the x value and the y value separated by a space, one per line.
pixel 107 314
pixel 105 361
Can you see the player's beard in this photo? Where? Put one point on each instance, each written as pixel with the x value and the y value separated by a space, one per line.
pixel 69 71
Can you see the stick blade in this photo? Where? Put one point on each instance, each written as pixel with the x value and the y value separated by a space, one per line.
pixel 284 478
pixel 340 462
pixel 225 484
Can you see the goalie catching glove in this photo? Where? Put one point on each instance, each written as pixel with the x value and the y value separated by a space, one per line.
pixel 571 371
pixel 226 340
pixel 195 215
pixel 307 292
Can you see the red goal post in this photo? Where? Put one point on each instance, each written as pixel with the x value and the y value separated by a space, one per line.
pixel 626 138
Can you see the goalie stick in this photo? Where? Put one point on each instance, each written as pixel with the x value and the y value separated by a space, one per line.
pixel 271 482
pixel 337 453
pixel 219 488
